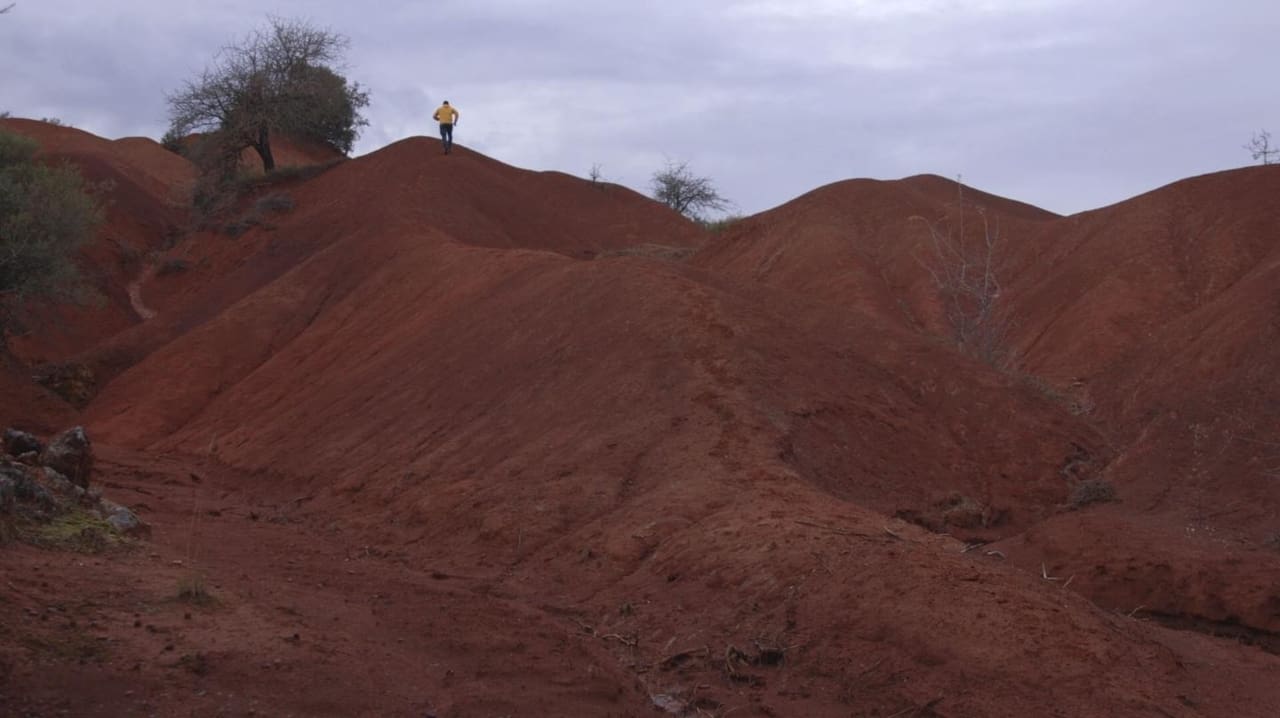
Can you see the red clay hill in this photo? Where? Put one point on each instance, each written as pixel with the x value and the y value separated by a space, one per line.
pixel 440 436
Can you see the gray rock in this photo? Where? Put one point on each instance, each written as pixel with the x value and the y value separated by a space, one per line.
pixel 14 480
pixel 12 469
pixel 127 522
pixel 31 492
pixel 70 454
pixel 61 485
pixel 25 487
pixel 18 443
pixel 8 497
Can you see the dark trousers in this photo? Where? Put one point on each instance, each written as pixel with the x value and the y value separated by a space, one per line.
pixel 446 135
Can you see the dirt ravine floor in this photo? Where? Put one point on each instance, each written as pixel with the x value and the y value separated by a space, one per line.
pixel 297 616
pixel 298 620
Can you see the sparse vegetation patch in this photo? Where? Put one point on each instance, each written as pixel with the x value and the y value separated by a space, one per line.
pixel 655 251
pixel 193 589
pixel 1090 492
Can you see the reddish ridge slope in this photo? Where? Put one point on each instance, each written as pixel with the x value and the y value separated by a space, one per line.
pixel 754 483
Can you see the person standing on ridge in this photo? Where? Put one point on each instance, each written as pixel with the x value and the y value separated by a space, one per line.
pixel 447 117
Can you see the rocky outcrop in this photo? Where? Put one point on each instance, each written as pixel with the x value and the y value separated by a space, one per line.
pixel 52 485
pixel 8 491
pixel 70 454
pixel 17 443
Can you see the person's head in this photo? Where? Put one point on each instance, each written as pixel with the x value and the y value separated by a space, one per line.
pixel 446 102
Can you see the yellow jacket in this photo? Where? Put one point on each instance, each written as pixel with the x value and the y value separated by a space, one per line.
pixel 446 114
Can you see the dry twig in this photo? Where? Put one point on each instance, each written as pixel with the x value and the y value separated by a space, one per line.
pixel 871 668
pixel 832 529
pixel 624 640
pixel 917 710
pixel 675 658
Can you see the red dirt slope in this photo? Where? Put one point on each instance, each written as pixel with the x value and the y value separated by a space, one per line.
pixel 1105 282
pixel 1154 317
pixel 142 213
pixel 397 190
pixel 624 432
pixel 27 406
pixel 438 450
pixel 857 245
pixel 1193 402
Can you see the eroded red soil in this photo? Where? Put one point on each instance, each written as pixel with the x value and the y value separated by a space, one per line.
pixel 448 437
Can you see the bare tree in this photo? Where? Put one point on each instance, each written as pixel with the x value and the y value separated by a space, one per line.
pixel 278 79
pixel 1261 149
pixel 965 262
pixel 7 8
pixel 680 189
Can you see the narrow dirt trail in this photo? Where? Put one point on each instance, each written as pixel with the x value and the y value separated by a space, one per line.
pixel 135 293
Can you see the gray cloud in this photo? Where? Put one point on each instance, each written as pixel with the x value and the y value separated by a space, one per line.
pixel 1065 104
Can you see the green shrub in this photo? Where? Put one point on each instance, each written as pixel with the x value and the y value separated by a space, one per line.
pixel 237 228
pixel 77 530
pixel 173 266
pixel 1092 491
pixel 174 142
pixel 274 202
pixel 46 213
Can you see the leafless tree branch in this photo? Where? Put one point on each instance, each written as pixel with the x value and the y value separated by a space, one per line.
pixel 1260 148
pixel 965 264
pixel 680 189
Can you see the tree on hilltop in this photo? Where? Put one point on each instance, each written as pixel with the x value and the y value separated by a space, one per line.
pixel 679 188
pixel 280 78
pixel 1261 149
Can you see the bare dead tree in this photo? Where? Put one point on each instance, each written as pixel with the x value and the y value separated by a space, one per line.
pixel 278 79
pixel 1260 148
pixel 965 260
pixel 680 189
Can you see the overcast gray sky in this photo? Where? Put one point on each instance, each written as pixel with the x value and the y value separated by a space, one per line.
pixel 1067 104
